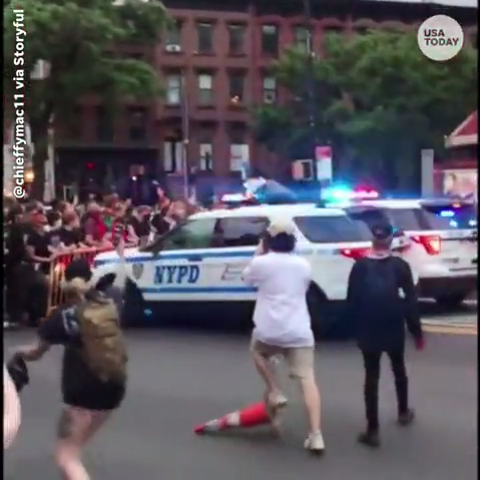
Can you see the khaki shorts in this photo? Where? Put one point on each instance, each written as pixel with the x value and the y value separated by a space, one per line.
pixel 300 360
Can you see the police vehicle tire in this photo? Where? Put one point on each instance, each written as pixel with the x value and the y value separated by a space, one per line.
pixel 133 313
pixel 328 319
pixel 451 300
pixel 317 308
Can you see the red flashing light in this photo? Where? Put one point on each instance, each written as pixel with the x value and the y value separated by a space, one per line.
pixel 354 253
pixel 365 194
pixel 90 166
pixel 431 243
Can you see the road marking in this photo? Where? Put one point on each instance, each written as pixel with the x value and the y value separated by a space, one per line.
pixel 471 330
pixel 457 325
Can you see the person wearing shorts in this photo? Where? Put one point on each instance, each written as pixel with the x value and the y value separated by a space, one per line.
pixel 282 322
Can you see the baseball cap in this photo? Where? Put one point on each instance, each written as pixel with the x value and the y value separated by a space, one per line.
pixel 278 226
pixel 382 231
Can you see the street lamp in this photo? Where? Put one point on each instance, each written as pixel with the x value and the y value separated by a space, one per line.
pixel 310 84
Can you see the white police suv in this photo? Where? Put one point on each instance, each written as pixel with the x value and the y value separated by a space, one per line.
pixel 441 242
pixel 194 272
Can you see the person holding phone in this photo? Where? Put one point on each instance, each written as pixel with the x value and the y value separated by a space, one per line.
pixel 282 321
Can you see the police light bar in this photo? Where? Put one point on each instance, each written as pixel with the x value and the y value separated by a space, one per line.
pixel 236 197
pixel 343 194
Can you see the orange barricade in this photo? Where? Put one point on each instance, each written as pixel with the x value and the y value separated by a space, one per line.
pixel 57 269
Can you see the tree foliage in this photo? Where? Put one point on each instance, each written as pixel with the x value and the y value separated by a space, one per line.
pixel 79 39
pixel 376 99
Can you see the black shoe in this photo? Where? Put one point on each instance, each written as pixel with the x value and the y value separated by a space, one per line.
pixel 405 419
pixel 370 439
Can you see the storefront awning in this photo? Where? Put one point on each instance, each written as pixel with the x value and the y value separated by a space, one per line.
pixel 465 134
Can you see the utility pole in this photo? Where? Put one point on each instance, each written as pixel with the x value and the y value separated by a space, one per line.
pixel 185 137
pixel 310 84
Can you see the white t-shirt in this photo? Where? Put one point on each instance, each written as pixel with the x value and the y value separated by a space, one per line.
pixel 281 315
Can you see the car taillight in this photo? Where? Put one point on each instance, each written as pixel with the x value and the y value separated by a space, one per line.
pixel 431 243
pixel 354 253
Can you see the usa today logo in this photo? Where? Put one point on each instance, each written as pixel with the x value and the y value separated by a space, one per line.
pixel 440 38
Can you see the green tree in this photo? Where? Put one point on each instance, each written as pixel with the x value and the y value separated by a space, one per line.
pixel 79 39
pixel 378 99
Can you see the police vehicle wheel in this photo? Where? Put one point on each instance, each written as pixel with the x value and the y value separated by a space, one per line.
pixel 329 321
pixel 451 301
pixel 133 314
pixel 316 302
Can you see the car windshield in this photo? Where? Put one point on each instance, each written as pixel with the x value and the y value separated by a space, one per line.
pixel 196 233
pixel 406 219
pixel 450 216
pixel 333 229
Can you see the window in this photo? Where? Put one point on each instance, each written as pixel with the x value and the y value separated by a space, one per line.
pixel 302 38
pixel 236 39
pixel 239 157
pixel 193 234
pixel 240 231
pixel 450 217
pixel 236 86
pixel 206 153
pixel 173 89
pixel 401 218
pixel 136 56
pixel 173 37
pixel 333 229
pixel 137 123
pixel 104 128
pixel 205 89
pixel 205 37
pixel 76 124
pixel 172 156
pixel 405 218
pixel 270 40
pixel 269 90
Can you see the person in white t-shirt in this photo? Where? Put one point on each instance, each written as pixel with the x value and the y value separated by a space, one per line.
pixel 282 324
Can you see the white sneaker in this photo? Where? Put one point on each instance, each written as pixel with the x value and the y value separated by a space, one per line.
pixel 315 443
pixel 276 401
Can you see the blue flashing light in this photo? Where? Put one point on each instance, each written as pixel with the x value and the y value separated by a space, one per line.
pixel 341 193
pixel 472 223
pixel 447 214
pixel 453 223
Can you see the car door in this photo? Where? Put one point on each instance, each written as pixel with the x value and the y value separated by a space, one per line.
pixel 175 268
pixel 235 241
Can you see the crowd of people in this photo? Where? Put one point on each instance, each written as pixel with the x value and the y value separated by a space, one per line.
pixel 36 235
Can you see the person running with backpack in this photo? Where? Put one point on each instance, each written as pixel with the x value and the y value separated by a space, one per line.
pixel 94 375
pixel 381 298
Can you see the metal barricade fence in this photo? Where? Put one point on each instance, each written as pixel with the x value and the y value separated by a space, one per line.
pixel 56 295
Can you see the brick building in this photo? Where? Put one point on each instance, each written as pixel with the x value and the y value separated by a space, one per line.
pixel 213 67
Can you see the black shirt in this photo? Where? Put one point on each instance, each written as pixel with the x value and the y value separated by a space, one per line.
pixel 15 243
pixel 380 320
pixel 80 386
pixel 70 237
pixel 162 224
pixel 140 227
pixel 39 241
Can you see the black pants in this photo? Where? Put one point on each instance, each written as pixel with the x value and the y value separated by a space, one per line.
pixel 372 376
pixel 27 293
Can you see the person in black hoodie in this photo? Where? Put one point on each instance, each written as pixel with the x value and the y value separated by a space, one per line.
pixel 381 298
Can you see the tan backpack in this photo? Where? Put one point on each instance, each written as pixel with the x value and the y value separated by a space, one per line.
pixel 103 345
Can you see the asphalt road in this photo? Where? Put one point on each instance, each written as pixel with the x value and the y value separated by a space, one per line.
pixel 461 321
pixel 178 379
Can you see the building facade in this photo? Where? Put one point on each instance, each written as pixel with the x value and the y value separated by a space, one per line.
pixel 213 66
